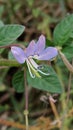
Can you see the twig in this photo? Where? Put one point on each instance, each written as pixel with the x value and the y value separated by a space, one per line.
pixel 55 112
pixel 8 46
pixel 12 124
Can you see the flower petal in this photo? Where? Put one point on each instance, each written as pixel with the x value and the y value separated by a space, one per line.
pixel 40 45
pixel 30 49
pixel 48 54
pixel 18 54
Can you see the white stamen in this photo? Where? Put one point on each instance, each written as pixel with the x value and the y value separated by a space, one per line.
pixel 42 72
pixel 33 76
pixel 35 65
pixel 35 57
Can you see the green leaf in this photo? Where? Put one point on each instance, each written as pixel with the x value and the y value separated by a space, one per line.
pixel 49 83
pixel 18 81
pixel 49 43
pixel 71 36
pixel 68 51
pixel 63 31
pixel 10 56
pixel 1 24
pixel 9 33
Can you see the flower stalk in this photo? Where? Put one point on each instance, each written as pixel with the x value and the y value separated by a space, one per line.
pixel 26 112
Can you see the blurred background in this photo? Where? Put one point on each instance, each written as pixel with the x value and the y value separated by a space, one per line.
pixel 39 17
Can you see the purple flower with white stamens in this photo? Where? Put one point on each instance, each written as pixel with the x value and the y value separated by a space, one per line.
pixel 34 51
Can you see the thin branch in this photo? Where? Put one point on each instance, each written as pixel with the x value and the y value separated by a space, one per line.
pixel 12 124
pixel 8 46
pixel 55 112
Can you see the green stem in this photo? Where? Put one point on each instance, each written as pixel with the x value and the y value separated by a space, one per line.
pixel 26 112
pixel 9 63
pixel 26 119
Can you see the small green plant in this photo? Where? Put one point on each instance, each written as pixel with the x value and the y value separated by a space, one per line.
pixel 42 75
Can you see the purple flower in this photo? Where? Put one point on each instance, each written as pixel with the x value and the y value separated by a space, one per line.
pixel 34 51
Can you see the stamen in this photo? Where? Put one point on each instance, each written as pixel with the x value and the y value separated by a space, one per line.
pixel 30 66
pixel 42 72
pixel 36 66
pixel 33 76
pixel 35 56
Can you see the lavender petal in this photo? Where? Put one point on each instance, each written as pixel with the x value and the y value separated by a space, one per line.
pixel 30 49
pixel 18 54
pixel 48 54
pixel 40 45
